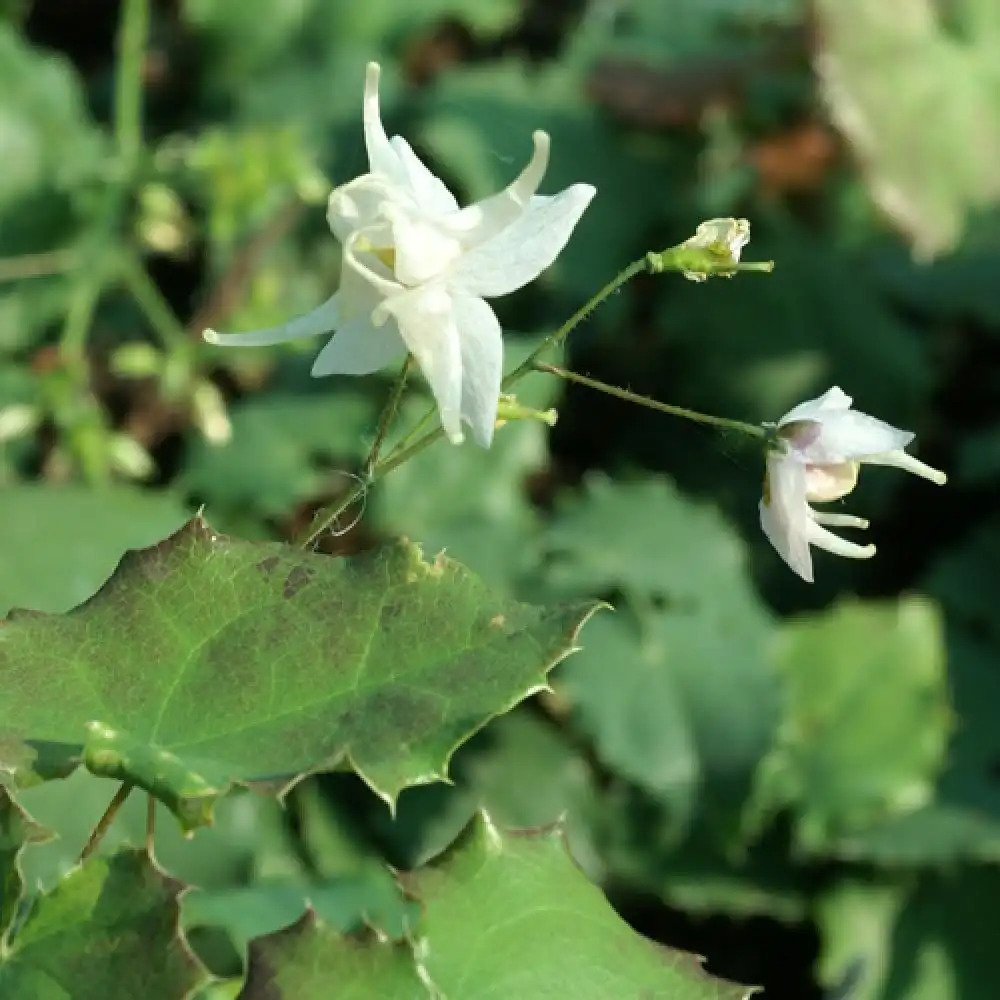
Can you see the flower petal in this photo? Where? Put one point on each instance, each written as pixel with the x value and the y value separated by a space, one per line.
pixel 481 345
pixel 360 348
pixel 478 222
pixel 357 204
pixel 382 158
pixel 423 250
pixel 321 320
pixel 784 515
pixel 833 399
pixel 836 436
pixel 901 460
pixel 830 482
pixel 839 520
pixel 427 325
pixel 428 191
pixel 519 253
pixel 824 539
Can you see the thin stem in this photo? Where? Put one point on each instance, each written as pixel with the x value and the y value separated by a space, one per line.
pixel 329 517
pixel 132 37
pixel 555 339
pixel 408 447
pixel 753 430
pixel 154 306
pixel 104 823
pixel 388 413
pixel 150 824
pixel 37 265
pixel 82 304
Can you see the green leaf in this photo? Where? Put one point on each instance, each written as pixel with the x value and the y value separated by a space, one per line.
pixel 44 119
pixel 468 501
pixel 350 903
pixel 887 70
pixel 108 930
pixel 247 835
pixel 644 538
pixel 209 660
pixel 962 822
pixel 309 961
pixel 60 544
pixel 17 831
pixel 523 769
pixel 278 451
pixel 657 683
pixel 511 915
pixel 867 721
pixel 637 843
pixel 856 921
pixel 934 940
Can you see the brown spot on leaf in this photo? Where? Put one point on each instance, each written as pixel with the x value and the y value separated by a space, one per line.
pixel 297 579
pixel 267 565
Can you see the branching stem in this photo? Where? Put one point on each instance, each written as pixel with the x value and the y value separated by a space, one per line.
pixel 104 823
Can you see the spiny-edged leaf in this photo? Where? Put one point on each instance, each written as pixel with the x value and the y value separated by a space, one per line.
pixel 60 545
pixel 349 903
pixel 867 719
pixel 654 688
pixel 208 660
pixel 17 830
pixel 511 915
pixel 309 961
pixel 887 70
pixel 524 770
pixel 110 929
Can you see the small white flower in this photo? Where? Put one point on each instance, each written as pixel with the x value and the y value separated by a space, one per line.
pixel 818 448
pixel 417 270
pixel 724 238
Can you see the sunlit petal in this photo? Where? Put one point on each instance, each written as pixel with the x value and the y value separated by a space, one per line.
pixel 486 218
pixel 482 365
pixel 427 325
pixel 519 253
pixel 321 320
pixel 360 348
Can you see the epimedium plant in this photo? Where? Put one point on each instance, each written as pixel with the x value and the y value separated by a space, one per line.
pixel 208 662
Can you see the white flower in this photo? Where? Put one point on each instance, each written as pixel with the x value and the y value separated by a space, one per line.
pixel 723 238
pixel 417 270
pixel 818 448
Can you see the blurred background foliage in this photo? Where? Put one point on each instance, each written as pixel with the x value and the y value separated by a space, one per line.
pixel 802 783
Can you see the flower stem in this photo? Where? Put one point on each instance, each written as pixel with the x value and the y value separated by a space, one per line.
pixel 150 300
pixel 753 430
pixel 132 35
pixel 104 823
pixel 37 265
pixel 150 824
pixel 673 259
pixel 555 339
pixel 408 447
pixel 388 413
pixel 330 516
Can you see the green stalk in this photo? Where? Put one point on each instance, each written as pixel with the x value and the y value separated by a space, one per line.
pixel 753 430
pixel 132 37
